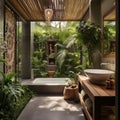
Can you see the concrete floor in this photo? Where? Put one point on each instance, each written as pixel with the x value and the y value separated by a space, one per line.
pixel 51 108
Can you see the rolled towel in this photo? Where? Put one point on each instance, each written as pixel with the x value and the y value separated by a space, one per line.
pixel 83 93
pixel 88 103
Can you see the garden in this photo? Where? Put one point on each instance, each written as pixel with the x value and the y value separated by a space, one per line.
pixel 70 51
pixel 78 47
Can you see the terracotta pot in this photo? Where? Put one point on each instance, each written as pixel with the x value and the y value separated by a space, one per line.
pixel 51 73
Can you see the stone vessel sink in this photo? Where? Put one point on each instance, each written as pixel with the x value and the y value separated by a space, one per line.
pixel 98 76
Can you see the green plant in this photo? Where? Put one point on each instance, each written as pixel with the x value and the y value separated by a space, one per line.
pixel 68 48
pixel 52 55
pixel 39 61
pixel 13 96
pixel 71 88
pixel 108 35
pixel 90 35
pixel 72 80
pixel 68 57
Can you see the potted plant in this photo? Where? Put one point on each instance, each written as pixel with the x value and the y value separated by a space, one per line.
pixel 71 88
pixel 90 35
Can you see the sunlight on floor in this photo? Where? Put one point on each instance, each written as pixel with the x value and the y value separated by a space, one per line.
pixel 52 108
pixel 54 105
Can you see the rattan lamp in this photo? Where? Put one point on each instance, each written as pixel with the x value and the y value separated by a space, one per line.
pixel 48 14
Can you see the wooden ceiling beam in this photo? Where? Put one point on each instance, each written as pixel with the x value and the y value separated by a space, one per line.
pixel 33 10
pixel 25 9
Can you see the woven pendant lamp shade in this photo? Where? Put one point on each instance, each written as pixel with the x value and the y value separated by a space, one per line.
pixel 48 14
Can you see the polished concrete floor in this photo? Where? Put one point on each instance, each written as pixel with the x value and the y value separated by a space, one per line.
pixel 51 108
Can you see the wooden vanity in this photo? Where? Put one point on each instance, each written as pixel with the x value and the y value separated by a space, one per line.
pixel 98 94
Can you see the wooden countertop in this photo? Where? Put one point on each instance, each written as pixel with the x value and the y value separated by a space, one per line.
pixel 99 95
pixel 94 89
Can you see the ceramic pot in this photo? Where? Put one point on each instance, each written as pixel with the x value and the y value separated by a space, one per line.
pixel 51 73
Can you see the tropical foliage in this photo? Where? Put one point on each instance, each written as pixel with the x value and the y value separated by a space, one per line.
pixel 89 34
pixel 68 57
pixel 109 35
pixel 68 48
pixel 13 96
pixel 39 55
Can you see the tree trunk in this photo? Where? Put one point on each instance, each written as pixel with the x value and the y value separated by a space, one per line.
pixel 96 59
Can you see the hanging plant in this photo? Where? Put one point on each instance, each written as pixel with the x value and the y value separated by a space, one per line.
pixel 90 35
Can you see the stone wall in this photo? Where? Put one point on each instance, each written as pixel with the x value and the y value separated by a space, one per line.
pixel 10 26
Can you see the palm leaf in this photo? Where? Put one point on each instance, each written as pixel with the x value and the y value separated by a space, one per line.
pixel 61 57
pixel 71 41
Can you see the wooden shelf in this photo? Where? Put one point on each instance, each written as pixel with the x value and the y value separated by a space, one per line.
pixel 99 95
pixel 85 108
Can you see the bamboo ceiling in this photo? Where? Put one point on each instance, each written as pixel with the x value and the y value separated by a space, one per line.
pixel 111 15
pixel 63 10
